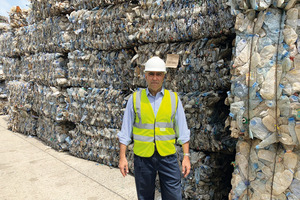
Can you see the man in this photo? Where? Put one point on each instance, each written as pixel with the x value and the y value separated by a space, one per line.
pixel 154 117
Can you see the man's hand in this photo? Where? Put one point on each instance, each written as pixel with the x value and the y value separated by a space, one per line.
pixel 186 166
pixel 123 166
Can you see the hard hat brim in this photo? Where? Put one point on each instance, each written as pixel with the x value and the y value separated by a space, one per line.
pixel 155 70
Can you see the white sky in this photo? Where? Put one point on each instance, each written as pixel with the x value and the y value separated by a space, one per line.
pixel 5 5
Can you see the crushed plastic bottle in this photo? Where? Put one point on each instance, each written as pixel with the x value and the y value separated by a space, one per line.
pixel 271 139
pixel 291 125
pixel 258 129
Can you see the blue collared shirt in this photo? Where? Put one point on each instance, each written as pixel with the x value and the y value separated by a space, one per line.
pixel 181 130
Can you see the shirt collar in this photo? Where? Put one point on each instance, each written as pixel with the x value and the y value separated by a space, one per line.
pixel 162 92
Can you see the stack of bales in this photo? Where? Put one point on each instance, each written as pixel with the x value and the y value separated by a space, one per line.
pixel 4 28
pixel 3 90
pixel 35 63
pixel 264 100
pixel 73 68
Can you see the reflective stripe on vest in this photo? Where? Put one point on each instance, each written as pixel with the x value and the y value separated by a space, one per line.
pixel 147 130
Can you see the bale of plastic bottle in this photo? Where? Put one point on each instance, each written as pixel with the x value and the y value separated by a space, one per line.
pixel 8 44
pixel 3 19
pixel 100 107
pixel 40 10
pixel 52 35
pixel 209 175
pixel 95 143
pixel 20 99
pixel 3 90
pixel 55 134
pixel 21 95
pixel 43 9
pixel 46 101
pixel 203 65
pixel 265 173
pixel 108 28
pixel 206 114
pixel 22 121
pixel 126 25
pixel 11 68
pixel 94 4
pixel 3 98
pixel 45 68
pixel 18 17
pixel 101 69
pixel 50 102
pixel 4 25
pixel 171 21
pixel 264 103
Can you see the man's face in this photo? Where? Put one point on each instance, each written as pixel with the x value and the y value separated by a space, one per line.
pixel 154 80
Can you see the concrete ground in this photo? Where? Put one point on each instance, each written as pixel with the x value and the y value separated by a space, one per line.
pixel 30 170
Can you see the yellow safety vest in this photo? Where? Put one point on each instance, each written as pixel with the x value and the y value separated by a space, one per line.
pixel 149 130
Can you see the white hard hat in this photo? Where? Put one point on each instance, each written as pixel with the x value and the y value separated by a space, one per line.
pixel 155 64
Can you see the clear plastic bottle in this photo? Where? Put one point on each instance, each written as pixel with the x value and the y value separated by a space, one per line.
pixel 292 124
pixel 266 142
pixel 240 90
pixel 297 130
pixel 258 129
pixel 268 86
pixel 284 106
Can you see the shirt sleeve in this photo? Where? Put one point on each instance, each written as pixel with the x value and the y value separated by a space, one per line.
pixel 125 134
pixel 181 128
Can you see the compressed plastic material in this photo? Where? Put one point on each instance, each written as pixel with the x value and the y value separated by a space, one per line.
pixel 97 107
pixel 101 69
pixel 106 28
pixel 18 17
pixel 126 25
pixel 94 4
pixel 54 133
pixel 43 9
pixel 45 68
pixel 50 102
pixel 208 178
pixel 170 21
pixel 73 68
pixel 264 100
pixel 258 171
pixel 8 43
pixel 94 143
pixel 3 19
pixel 22 121
pixel 21 95
pixel 4 26
pixel 53 35
pixel 206 114
pixel 11 68
pixel 3 91
pixel 203 64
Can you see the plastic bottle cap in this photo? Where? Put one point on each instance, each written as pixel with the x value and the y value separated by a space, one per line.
pixel 257 147
pixel 291 119
pixel 253 122
pixel 245 120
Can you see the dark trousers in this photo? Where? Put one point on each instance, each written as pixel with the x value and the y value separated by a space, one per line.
pixel 145 170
